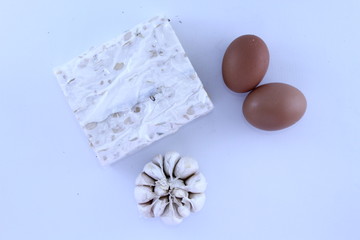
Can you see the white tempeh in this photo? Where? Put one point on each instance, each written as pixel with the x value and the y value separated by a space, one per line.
pixel 133 90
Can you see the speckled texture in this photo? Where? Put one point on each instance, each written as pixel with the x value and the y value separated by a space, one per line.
pixel 133 90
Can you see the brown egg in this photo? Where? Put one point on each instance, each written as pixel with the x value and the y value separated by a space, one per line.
pixel 245 63
pixel 274 106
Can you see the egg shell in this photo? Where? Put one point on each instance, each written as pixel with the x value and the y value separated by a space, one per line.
pixel 274 106
pixel 245 63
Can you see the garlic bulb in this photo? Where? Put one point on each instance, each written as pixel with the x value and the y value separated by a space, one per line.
pixel 170 187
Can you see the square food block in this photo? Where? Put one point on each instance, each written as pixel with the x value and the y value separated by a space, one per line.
pixel 133 90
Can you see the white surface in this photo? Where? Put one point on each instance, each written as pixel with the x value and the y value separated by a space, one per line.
pixel 133 90
pixel 299 183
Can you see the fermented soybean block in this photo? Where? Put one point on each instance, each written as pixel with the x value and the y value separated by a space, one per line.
pixel 133 90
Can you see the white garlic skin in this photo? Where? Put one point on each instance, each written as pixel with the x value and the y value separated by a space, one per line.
pixel 170 187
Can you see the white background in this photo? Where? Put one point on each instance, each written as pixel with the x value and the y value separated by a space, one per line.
pixel 299 183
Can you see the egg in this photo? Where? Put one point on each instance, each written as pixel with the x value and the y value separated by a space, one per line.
pixel 274 106
pixel 245 63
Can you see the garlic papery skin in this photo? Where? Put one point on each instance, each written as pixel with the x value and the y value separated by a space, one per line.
pixel 170 187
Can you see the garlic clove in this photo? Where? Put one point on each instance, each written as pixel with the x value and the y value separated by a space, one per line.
pixel 178 183
pixel 186 167
pixel 144 179
pixel 170 160
pixel 180 193
pixel 146 210
pixel 184 210
pixel 197 201
pixel 154 171
pixel 161 190
pixel 159 206
pixel 144 194
pixel 196 183
pixel 170 215
pixel 159 161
